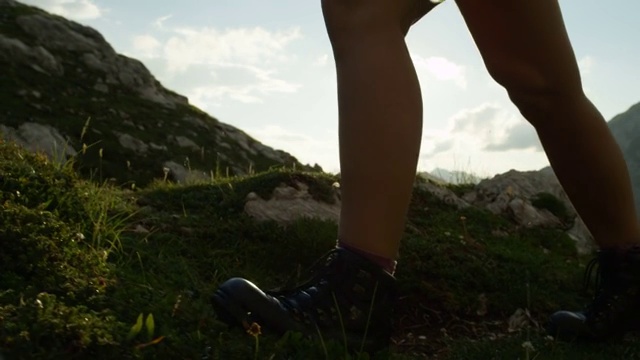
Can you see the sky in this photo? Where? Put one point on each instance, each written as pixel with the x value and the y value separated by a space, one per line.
pixel 266 68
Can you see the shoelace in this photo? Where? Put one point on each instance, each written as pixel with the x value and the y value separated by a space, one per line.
pixel 586 282
pixel 605 290
pixel 310 273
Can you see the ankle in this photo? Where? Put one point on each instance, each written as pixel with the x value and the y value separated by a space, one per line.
pixel 387 264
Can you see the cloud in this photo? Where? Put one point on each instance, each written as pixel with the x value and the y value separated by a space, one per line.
pixel 520 136
pixel 189 46
pixel 487 128
pixel 159 23
pixel 485 140
pixel 257 83
pixel 73 9
pixel 441 68
pixel 586 64
pixel 322 61
pixel 146 46
pixel 238 63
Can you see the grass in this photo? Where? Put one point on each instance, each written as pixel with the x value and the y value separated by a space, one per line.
pixel 84 266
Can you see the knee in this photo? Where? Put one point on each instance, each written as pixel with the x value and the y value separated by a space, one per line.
pixel 538 94
pixel 344 19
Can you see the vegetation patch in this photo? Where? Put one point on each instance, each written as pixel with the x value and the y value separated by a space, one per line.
pixel 92 270
pixel 551 203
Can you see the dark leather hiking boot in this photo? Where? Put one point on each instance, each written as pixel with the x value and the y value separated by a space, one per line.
pixel 347 297
pixel 615 309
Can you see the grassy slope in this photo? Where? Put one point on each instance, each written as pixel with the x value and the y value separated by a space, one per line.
pixel 63 295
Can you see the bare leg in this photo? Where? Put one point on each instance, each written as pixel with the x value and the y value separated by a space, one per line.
pixel 526 49
pixel 380 119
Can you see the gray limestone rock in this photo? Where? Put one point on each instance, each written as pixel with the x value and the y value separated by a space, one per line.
pixel 40 138
pixel 289 203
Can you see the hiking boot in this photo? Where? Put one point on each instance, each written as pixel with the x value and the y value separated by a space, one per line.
pixel 347 299
pixel 615 309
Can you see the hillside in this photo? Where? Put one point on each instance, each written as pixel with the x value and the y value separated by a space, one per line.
pixel 626 129
pixel 64 90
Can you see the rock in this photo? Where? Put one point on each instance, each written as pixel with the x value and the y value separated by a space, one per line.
pixel 526 214
pixel 238 137
pixel 443 194
pixel 272 154
pixel 514 183
pixel 197 122
pixel 158 147
pixel 185 142
pixel 8 3
pixel 139 229
pixel 289 203
pixel 129 142
pixel 61 34
pixel 101 87
pixel 181 174
pixel 14 50
pixel 582 236
pixel 510 194
pixel 42 138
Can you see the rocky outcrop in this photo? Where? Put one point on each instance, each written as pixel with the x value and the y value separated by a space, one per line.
pixel 511 194
pixel 60 35
pixel 68 79
pixel 289 203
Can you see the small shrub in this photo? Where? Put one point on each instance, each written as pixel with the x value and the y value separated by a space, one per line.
pixel 551 203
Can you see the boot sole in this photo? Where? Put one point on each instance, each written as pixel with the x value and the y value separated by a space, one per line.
pixel 228 312
pixel 234 316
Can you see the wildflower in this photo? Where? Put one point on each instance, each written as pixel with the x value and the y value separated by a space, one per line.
pixel 527 345
pixel 254 329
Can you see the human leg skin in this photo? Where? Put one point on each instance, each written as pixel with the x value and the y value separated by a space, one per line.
pixel 526 49
pixel 380 118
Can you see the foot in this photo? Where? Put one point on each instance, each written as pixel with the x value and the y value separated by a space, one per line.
pixel 615 310
pixel 347 299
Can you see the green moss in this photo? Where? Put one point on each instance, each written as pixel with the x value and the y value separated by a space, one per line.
pixel 551 203
pixel 461 189
pixel 54 285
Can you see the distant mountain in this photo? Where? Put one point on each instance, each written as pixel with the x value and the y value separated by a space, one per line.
pixel 454 176
pixel 64 90
pixel 626 129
